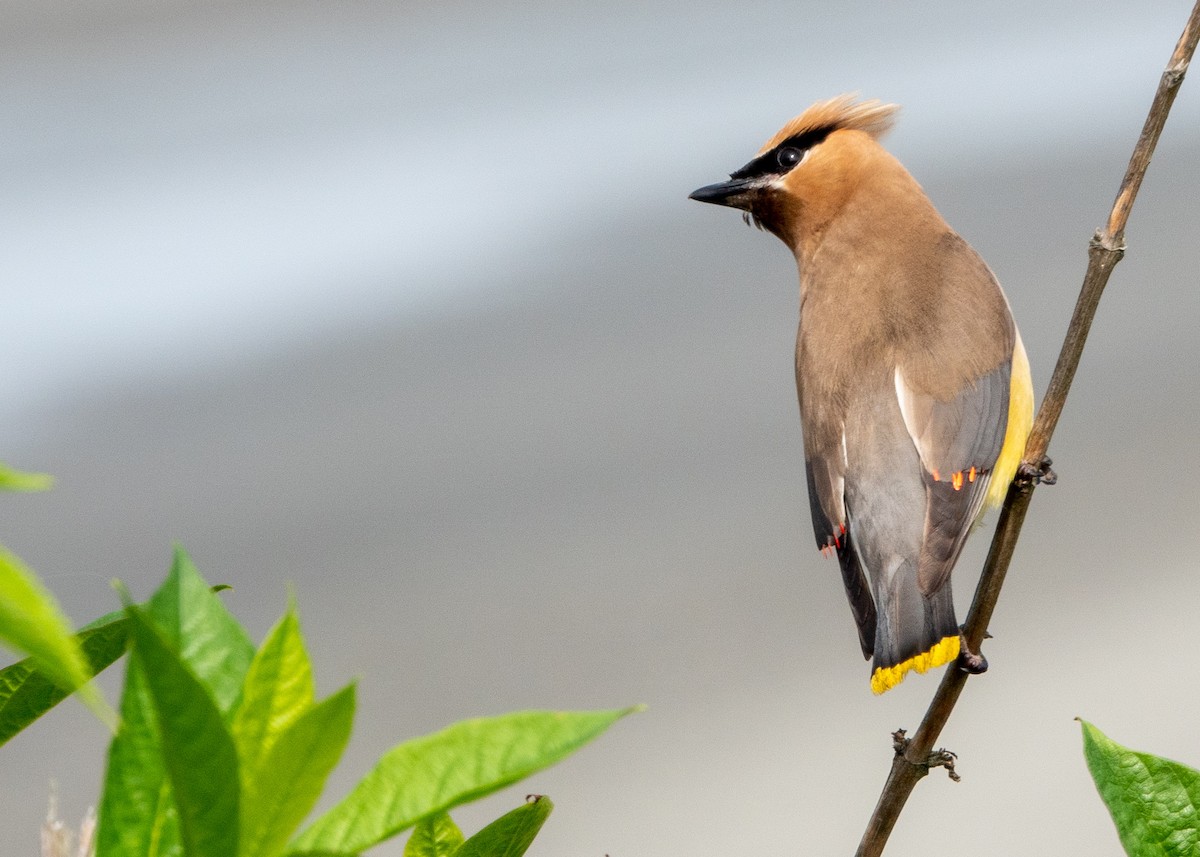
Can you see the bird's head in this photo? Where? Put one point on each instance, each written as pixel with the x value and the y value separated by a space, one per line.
pixel 800 178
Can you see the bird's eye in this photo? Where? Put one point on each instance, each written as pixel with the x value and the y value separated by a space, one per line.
pixel 789 157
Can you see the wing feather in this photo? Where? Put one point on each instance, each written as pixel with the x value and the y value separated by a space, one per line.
pixel 958 442
pixel 831 525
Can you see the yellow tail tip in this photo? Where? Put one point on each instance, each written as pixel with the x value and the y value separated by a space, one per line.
pixel 943 652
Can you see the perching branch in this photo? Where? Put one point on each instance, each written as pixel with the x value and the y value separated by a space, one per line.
pixel 915 757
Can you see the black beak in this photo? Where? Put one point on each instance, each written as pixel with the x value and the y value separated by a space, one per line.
pixel 735 193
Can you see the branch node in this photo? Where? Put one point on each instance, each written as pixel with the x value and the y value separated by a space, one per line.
pixel 1105 242
pixel 943 758
pixel 939 758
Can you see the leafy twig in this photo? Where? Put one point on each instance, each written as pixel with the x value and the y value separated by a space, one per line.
pixel 912 761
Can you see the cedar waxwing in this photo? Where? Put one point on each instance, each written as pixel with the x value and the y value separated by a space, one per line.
pixel 915 394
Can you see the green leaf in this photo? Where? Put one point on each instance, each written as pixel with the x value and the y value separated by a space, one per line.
pixel 512 833
pixel 26 693
pixel 283 789
pixel 197 747
pixel 137 813
pixel 15 480
pixel 208 638
pixel 1154 802
pixel 31 622
pixel 435 836
pixel 461 763
pixel 278 689
pixel 137 809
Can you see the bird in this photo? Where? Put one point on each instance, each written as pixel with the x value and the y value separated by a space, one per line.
pixel 916 399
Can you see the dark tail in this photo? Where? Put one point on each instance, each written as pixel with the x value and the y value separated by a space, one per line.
pixel 912 631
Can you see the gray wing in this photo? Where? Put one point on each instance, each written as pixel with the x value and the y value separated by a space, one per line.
pixel 958 442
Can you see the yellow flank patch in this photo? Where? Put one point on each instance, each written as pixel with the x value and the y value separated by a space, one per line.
pixel 1020 421
pixel 943 652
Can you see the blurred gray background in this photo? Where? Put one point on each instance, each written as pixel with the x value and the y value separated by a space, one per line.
pixel 404 304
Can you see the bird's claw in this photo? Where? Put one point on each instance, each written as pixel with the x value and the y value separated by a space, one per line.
pixel 1037 474
pixel 969 661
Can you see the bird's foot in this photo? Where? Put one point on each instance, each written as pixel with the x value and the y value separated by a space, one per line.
pixel 969 661
pixel 1037 474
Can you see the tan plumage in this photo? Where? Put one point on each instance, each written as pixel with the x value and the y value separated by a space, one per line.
pixel 914 389
pixel 845 111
